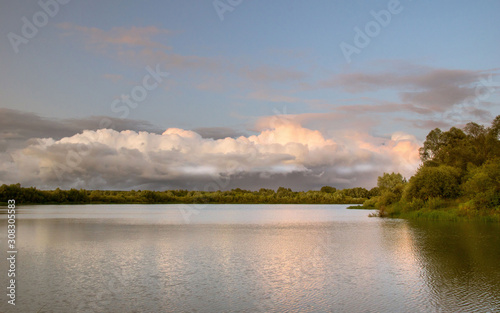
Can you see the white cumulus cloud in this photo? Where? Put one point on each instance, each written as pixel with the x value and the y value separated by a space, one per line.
pixel 285 153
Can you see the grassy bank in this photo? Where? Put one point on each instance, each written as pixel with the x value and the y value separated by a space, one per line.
pixel 436 209
pixel 458 179
pixel 358 207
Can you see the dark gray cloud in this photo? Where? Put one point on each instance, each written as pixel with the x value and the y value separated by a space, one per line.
pixel 424 90
pixel 418 78
pixel 387 107
pixel 426 124
pixel 439 98
pixel 218 132
pixel 297 181
pixel 18 127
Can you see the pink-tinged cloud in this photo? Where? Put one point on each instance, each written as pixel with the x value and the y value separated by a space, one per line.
pixel 108 159
pixel 270 96
pixel 113 77
pixel 149 45
pixel 119 36
pixel 137 45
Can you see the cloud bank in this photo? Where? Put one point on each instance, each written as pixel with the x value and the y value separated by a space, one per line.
pixel 282 153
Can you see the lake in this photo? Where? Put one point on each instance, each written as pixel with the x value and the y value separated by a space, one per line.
pixel 247 258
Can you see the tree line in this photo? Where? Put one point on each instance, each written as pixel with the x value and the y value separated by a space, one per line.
pixel 327 195
pixel 459 177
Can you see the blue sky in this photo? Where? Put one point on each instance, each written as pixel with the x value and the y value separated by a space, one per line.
pixel 425 68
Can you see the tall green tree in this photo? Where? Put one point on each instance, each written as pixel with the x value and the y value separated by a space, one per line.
pixel 433 182
pixel 390 181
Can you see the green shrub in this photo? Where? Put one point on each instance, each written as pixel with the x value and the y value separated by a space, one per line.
pixel 414 205
pixel 432 182
pixel 483 185
pixel 388 198
pixel 390 181
pixel 435 203
pixel 371 203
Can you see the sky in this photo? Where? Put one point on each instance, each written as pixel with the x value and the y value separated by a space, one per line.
pixel 209 95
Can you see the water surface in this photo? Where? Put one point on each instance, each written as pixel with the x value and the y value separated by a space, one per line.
pixel 248 258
